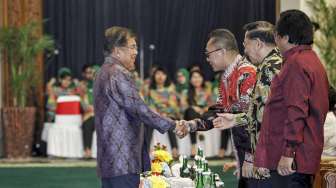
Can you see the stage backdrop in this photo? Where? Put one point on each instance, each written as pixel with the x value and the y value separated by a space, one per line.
pixel 178 29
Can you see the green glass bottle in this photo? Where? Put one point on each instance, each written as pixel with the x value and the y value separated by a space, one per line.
pixel 184 170
pixel 206 166
pixel 199 183
pixel 200 152
pixel 213 181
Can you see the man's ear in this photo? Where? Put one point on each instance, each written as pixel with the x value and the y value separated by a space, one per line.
pixel 286 38
pixel 260 43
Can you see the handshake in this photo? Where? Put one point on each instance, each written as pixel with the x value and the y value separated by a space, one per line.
pixel 207 122
pixel 184 127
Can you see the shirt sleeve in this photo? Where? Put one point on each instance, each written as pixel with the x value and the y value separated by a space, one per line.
pixel 124 92
pixel 246 82
pixel 296 89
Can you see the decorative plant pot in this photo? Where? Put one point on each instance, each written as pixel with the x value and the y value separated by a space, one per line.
pixel 18 124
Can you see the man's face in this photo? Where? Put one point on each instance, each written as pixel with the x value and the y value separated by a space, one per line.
pixel 128 53
pixel 215 56
pixel 251 49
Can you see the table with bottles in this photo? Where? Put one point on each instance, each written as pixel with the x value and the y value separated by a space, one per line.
pixel 191 174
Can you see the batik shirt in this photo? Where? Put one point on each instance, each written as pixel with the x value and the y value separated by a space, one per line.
pixel 119 114
pixel 266 70
pixel 164 101
pixel 236 85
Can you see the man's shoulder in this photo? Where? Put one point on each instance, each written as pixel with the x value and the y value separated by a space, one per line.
pixel 272 63
pixel 246 67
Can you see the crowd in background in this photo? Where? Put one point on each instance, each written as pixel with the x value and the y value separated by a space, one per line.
pixel 187 96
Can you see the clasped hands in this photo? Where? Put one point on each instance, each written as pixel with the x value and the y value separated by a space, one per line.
pixel 183 127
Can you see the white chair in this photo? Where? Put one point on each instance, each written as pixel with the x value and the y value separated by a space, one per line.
pixel 65 137
pixel 94 145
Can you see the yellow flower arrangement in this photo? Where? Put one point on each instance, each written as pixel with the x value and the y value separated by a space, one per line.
pixel 156 168
pixel 161 154
pixel 158 182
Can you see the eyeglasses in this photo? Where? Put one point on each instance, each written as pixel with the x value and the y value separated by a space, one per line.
pixel 132 47
pixel 207 54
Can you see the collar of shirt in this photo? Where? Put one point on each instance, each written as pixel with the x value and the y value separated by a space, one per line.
pixel 291 51
pixel 265 61
pixel 231 67
pixel 112 60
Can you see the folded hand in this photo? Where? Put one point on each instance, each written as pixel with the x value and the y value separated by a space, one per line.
pixel 224 121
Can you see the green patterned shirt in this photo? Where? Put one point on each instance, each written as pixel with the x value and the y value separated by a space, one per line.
pixel 266 71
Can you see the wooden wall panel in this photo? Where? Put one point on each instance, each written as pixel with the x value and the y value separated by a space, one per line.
pixel 16 13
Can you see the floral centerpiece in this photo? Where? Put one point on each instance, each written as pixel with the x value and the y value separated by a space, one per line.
pixel 161 161
pixel 160 169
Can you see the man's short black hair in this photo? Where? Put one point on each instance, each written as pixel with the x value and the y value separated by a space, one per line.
pixel 116 37
pixel 297 26
pixel 223 38
pixel 262 30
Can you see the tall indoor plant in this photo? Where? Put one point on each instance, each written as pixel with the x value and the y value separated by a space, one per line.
pixel 324 13
pixel 21 45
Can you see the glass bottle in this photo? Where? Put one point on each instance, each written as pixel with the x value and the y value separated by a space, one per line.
pixel 199 183
pixel 184 170
pixel 213 181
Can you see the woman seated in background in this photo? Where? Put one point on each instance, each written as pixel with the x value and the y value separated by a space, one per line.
pixel 329 148
pixel 85 90
pixel 182 85
pixel 198 100
pixel 62 86
pixel 162 99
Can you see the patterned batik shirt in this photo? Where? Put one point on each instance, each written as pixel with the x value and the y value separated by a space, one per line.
pixel 119 115
pixel 266 70
pixel 235 87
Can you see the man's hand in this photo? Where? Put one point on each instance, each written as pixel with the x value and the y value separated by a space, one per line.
pixel 262 173
pixel 181 129
pixel 247 169
pixel 285 166
pixel 224 121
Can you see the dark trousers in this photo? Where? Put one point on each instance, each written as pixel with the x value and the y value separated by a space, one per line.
pixel 191 114
pixel 242 182
pixel 296 180
pixel 255 183
pixel 225 136
pixel 88 128
pixel 125 181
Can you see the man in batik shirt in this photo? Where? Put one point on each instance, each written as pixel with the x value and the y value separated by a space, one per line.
pixel 261 50
pixel 236 84
pixel 119 113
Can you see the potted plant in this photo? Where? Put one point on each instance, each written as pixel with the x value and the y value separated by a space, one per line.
pixel 324 13
pixel 21 46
